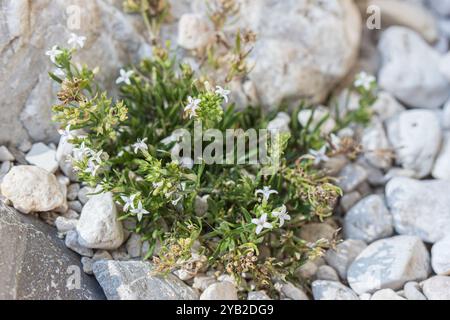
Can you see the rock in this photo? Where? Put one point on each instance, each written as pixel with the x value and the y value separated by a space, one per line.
pixel 446 116
pixel 72 242
pixel 313 232
pixel 42 156
pixel 313 117
pixel 412 291
pixel 35 264
pixel 349 200
pixel 386 294
pixel 258 295
pixel 98 226
pixel 63 156
pixel 134 280
pixel 440 6
pixel 303 49
pixel 351 177
pixel 327 273
pixel 368 220
pixel 437 288
pixel 410 69
pixel 307 270
pixel 84 194
pixel 416 137
pixel 113 39
pixel 87 265
pixel 64 225
pixel 101 255
pixel 201 282
pixel 365 296
pixel 134 245
pixel 440 256
pixel 420 208
pixel 441 169
pixel 389 264
pixel 75 206
pixel 32 189
pixel 376 146
pixel 4 169
pixel 386 106
pixel 195 32
pixel 332 290
pixel 121 254
pixel 410 14
pixel 220 291
pixel 71 215
pixel 72 191
pixel 345 253
pixel 5 155
pixel 280 124
pixel 292 292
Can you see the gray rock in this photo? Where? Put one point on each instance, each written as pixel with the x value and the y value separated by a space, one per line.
pixel 386 106
pixel 327 273
pixel 440 256
pixel 201 282
pixel 32 189
pixel 446 116
pixel 35 264
pixel 348 200
pixel 220 291
pixel 72 242
pixel 134 280
pixel 84 194
pixel 113 39
pixel 319 43
pixel 307 270
pixel 368 220
pixel 345 253
pixel 420 208
pixel 441 169
pixel 416 137
pixel 87 265
pixel 410 69
pixel 441 6
pixel 72 191
pixel 75 206
pixel 386 294
pixel 389 264
pixel 102 255
pixel 292 292
pixel 332 290
pixel 5 155
pixel 313 232
pixel 63 156
pixel 437 288
pixel 195 31
pixel 377 149
pixel 98 227
pixel 43 157
pixel 258 295
pixel 134 245
pixel 412 291
pixel 64 225
pixel 351 177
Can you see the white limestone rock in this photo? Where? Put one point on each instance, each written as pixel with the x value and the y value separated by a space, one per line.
pixel 440 256
pixel 332 290
pixel 345 253
pixel 42 156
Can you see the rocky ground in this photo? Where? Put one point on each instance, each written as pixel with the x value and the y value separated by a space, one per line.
pixel 395 212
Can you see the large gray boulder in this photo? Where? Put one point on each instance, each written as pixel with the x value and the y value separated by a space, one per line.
pixel 35 264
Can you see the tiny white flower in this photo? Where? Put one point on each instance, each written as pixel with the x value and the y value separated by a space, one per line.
pixel 191 108
pixel 66 133
pixel 266 192
pixel 319 155
pixel 53 53
pixel 140 145
pixel 92 168
pixel 364 80
pixel 261 223
pixel 139 211
pixel 281 214
pixel 124 77
pixel 223 93
pixel 76 40
pixel 157 185
pixel 81 152
pixel 96 156
pixel 175 202
pixel 128 202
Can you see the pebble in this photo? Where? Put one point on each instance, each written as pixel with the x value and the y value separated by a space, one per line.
pixel 327 273
pixel 441 169
pixel 332 290
pixel 134 245
pixel 73 244
pixel 84 194
pixel 420 208
pixel 65 225
pixel 314 117
pixel 72 191
pixel 258 295
pixel 6 155
pixel 42 156
pixel 345 253
pixel 98 226
pixel 220 291
pixel 437 288
pixel 75 206
pixel 368 220
pixel 348 200
pixel 87 264
pixel 386 106
pixel 386 294
pixel 351 177
pixel 376 146
pixel 389 264
pixel 313 232
pixel 440 256
pixel 292 292
pixel 412 291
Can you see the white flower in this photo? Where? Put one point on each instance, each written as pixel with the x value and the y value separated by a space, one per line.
pixel 139 211
pixel 129 202
pixel 364 80
pixel 157 185
pixel 175 202
pixel 66 133
pixel 193 105
pixel 140 145
pixel 223 93
pixel 266 192
pixel 124 77
pixel 96 156
pixel 53 53
pixel 281 214
pixel 261 223
pixel 81 152
pixel 319 155
pixel 92 168
pixel 76 40
pixel 59 73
